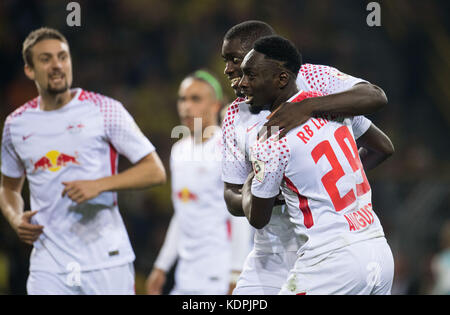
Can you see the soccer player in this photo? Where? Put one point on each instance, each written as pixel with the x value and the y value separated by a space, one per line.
pixel 275 248
pixel 66 143
pixel 318 169
pixel 199 231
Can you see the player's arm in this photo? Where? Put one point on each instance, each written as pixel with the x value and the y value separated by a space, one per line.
pixel 233 199
pixel 165 260
pixel 12 207
pixel 257 210
pixel 374 147
pixel 361 99
pixel 148 172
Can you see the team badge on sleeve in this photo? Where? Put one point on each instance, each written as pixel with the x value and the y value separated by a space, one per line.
pixel 258 168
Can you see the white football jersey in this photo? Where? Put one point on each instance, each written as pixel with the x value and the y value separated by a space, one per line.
pixel 322 179
pixel 201 232
pixel 80 141
pixel 240 129
pixel 204 240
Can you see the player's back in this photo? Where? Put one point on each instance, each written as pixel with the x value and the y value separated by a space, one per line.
pixel 325 187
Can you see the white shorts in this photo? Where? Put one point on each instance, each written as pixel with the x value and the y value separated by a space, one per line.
pixel 366 267
pixel 208 276
pixel 115 280
pixel 264 273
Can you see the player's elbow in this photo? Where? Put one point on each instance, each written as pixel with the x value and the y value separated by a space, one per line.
pixel 377 96
pixel 388 149
pixel 159 176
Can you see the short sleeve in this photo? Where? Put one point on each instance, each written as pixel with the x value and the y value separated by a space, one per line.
pixel 11 164
pixel 235 167
pixel 328 80
pixel 124 134
pixel 360 124
pixel 269 161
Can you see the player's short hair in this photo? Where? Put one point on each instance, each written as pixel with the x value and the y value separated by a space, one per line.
pixel 36 36
pixel 206 76
pixel 279 48
pixel 249 31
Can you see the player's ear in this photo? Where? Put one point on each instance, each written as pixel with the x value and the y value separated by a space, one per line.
pixel 283 79
pixel 29 72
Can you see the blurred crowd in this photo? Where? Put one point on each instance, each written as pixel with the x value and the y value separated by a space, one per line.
pixel 138 51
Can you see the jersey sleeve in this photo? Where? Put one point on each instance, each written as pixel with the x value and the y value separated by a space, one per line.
pixel 124 134
pixel 11 165
pixel 235 168
pixel 360 124
pixel 270 159
pixel 328 80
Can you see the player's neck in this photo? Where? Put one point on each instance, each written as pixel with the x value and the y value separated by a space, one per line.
pixel 55 101
pixel 284 95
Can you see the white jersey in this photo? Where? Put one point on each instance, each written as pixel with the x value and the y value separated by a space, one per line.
pixel 80 141
pixel 322 179
pixel 204 225
pixel 240 129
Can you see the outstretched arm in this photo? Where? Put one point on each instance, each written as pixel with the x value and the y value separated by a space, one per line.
pixel 149 171
pixel 361 99
pixel 165 260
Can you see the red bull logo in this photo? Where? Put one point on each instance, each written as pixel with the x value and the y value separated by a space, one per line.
pixel 54 161
pixel 185 195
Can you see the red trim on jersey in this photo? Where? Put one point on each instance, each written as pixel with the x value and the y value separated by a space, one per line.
pixel 301 293
pixel 303 95
pixel 19 111
pixel 302 204
pixel 113 159
pixel 229 230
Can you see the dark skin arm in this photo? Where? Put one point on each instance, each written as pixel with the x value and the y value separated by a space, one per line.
pixel 361 99
pixel 233 199
pixel 375 147
pixel 233 195
pixel 257 210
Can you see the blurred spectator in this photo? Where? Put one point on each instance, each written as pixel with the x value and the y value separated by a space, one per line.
pixel 440 264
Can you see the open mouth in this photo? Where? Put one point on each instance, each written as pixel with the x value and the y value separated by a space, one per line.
pixel 56 78
pixel 235 82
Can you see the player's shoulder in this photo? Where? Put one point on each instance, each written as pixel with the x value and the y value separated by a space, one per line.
pixel 309 69
pixel 101 101
pixel 22 110
pixel 233 110
pixel 181 144
pixel 271 148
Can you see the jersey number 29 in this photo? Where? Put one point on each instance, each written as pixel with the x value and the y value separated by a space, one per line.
pixel 330 179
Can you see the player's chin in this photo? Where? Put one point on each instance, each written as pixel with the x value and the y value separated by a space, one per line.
pixel 58 88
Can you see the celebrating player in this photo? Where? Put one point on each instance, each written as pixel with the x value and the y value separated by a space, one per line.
pixel 66 144
pixel 318 169
pixel 199 231
pixel 276 244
